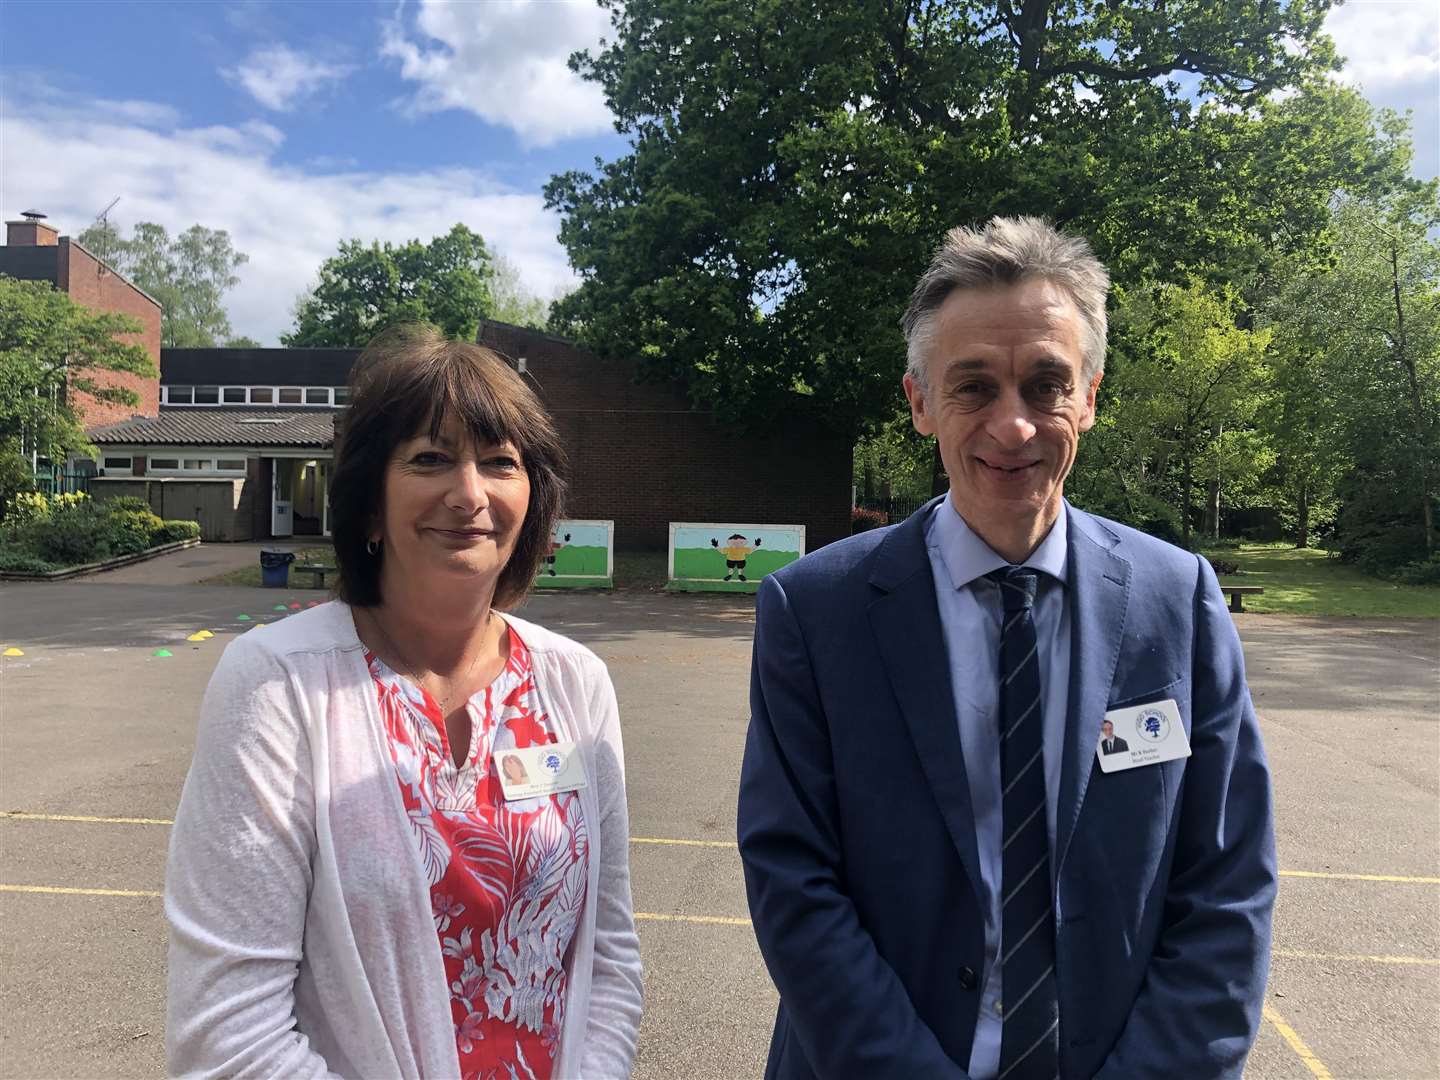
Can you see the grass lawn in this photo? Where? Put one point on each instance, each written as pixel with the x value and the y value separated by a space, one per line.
pixel 250 575
pixel 1309 582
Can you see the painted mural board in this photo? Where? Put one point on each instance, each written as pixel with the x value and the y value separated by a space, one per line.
pixel 729 556
pixel 581 556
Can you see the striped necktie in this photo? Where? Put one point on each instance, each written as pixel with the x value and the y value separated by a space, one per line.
pixel 1030 1018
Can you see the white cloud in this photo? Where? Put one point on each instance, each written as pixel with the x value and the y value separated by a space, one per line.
pixel 279 77
pixel 505 61
pixel 1392 51
pixel 70 162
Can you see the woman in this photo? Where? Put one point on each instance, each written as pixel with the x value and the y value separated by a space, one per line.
pixel 349 891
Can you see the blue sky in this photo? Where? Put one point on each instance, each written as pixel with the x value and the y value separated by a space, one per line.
pixel 295 124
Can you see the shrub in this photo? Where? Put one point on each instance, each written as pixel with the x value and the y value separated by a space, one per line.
pixel 22 562
pixel 126 502
pixel 26 507
pixel 1423 572
pixel 863 520
pixel 1224 568
pixel 33 506
pixel 130 531
pixel 78 533
pixel 171 531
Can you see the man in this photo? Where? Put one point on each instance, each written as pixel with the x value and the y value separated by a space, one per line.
pixel 1109 744
pixel 929 843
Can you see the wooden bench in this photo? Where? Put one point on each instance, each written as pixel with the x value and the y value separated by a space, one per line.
pixel 1237 591
pixel 317 572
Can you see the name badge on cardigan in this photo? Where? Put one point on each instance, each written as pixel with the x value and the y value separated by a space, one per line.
pixel 539 770
pixel 1142 735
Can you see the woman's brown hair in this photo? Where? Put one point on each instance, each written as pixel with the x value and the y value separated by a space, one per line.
pixel 410 379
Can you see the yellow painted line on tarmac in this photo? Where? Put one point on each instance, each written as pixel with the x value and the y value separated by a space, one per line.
pixel 1360 877
pixel 683 843
pixel 17 815
pixel 1359 958
pixel 20 815
pixel 1292 1038
pixel 57 890
pixel 712 920
pixel 670 841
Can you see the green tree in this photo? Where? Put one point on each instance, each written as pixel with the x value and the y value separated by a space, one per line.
pixel 1368 320
pixel 1191 377
pixel 241 341
pixel 362 289
pixel 511 302
pixel 791 167
pixel 52 348
pixel 188 275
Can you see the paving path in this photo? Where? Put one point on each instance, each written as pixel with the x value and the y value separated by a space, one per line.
pixel 96 734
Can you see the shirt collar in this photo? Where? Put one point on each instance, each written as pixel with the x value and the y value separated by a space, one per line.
pixel 967 557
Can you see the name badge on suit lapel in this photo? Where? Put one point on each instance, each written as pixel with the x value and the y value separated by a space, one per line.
pixel 1143 735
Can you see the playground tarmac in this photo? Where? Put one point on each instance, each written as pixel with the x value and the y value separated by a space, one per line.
pixel 96 734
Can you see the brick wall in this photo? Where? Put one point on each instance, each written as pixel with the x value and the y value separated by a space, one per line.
pixel 90 282
pixel 640 455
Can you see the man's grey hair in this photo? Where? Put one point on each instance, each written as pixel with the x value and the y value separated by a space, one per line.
pixel 1009 251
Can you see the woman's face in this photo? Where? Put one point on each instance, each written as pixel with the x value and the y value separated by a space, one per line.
pixel 514 771
pixel 452 512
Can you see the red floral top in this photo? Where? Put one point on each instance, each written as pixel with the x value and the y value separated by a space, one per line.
pixel 507 879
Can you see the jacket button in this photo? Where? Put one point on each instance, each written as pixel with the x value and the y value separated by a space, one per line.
pixel 967 978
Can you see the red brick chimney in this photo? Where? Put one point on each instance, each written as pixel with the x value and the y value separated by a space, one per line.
pixel 31 231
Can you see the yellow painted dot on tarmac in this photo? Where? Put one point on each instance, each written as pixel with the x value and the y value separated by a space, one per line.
pixel 12 651
pixel 200 635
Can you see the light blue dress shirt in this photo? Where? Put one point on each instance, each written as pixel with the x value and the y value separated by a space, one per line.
pixel 971 612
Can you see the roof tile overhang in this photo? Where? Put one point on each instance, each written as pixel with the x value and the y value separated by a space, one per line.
pixel 222 427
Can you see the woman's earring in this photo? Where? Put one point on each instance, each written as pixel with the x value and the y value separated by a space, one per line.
pixel 373 547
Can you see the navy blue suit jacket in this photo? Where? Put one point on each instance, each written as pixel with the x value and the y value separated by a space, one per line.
pixel 859 846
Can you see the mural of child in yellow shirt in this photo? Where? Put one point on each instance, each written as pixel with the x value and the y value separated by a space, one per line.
pixel 736 550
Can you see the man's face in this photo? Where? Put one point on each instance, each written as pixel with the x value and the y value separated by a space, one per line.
pixel 1108 729
pixel 1007 403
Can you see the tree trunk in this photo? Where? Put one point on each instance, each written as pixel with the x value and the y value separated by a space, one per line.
pixel 1187 485
pixel 1212 509
pixel 1302 540
pixel 869 483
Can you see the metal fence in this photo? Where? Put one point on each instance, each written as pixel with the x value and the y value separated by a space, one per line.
pixel 895 509
pixel 60 482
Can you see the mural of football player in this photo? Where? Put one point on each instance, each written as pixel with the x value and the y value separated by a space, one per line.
pixel 555 545
pixel 736 550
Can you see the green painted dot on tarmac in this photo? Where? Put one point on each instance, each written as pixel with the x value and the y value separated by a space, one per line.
pixel 279 607
pixel 243 618
pixel 162 652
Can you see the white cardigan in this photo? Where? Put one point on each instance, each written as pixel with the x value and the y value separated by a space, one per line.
pixel 301 937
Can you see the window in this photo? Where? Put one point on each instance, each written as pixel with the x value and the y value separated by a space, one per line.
pixel 164 463
pixel 230 464
pixel 289 395
pixel 317 395
pixel 262 395
pixel 199 464
pixel 342 395
pixel 234 395
pixel 207 395
pixel 119 464
pixel 179 395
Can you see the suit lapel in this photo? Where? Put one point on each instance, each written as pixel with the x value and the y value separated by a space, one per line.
pixel 1098 597
pixel 906 622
